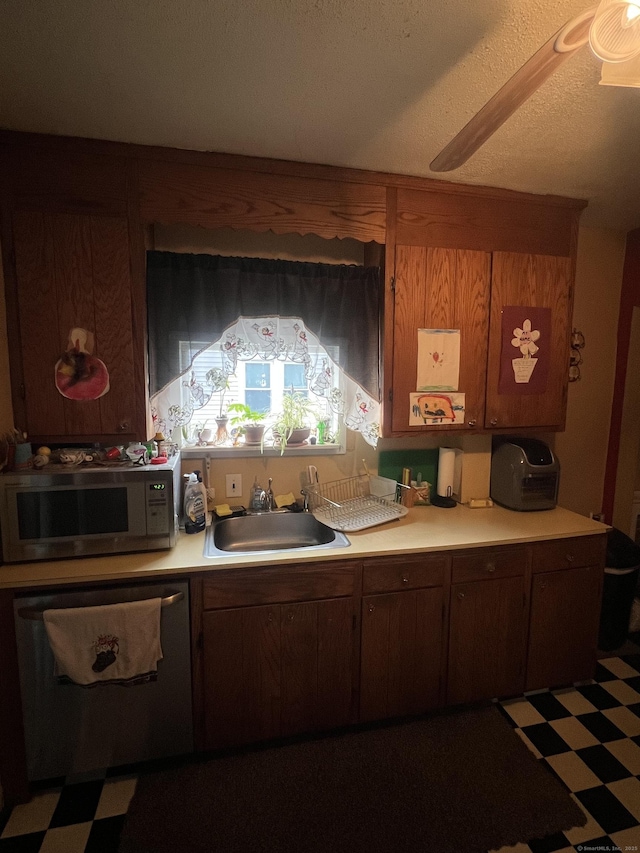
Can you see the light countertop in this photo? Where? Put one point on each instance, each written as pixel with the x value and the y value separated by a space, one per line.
pixel 423 529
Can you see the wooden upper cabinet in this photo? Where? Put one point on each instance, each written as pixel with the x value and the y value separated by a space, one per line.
pixel 73 271
pixel 440 289
pixel 260 201
pixel 540 281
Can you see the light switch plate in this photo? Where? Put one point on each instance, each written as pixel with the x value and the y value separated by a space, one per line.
pixel 234 485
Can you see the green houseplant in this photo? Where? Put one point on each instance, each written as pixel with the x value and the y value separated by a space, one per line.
pixel 292 422
pixel 250 423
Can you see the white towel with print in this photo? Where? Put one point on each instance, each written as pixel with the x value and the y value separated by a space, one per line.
pixel 111 643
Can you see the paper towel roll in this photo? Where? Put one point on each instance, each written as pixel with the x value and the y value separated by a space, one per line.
pixel 446 471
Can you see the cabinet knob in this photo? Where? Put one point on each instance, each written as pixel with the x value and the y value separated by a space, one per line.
pixel 270 616
pixel 290 616
pixel 123 426
pixel 472 422
pixel 405 579
pixel 371 608
pixel 543 586
pixel 493 421
pixel 570 558
pixel 461 595
pixel 491 567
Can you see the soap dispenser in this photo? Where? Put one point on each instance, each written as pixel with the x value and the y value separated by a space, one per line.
pixel 194 508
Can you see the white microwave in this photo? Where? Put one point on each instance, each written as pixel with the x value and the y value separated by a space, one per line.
pixel 60 512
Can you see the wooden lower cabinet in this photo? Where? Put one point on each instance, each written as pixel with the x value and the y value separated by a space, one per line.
pixel 401 653
pixel 565 611
pixel 487 637
pixel 308 647
pixel 277 670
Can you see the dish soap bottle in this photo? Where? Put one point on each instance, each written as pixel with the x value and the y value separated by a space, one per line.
pixel 256 495
pixel 194 508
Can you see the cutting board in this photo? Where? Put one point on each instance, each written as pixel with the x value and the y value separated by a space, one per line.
pixel 425 462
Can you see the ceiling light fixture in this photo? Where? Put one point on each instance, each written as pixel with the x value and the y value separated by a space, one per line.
pixel 615 32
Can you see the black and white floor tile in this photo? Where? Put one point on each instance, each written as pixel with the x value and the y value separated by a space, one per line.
pixel 587 735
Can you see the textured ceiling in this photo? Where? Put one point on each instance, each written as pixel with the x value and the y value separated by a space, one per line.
pixel 370 84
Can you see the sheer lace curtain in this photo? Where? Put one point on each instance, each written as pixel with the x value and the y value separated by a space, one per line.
pixel 256 309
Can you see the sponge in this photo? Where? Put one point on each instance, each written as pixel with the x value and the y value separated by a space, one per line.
pixel 222 510
pixel 285 500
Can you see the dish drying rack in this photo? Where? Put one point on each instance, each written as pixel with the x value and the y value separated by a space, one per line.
pixel 353 504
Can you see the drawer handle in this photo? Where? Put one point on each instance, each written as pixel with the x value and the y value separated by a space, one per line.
pixel 494 421
pixel 405 579
pixel 570 558
pixel 491 567
pixel 472 422
pixel 461 595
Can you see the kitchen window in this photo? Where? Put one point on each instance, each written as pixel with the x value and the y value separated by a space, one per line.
pixel 248 330
pixel 259 384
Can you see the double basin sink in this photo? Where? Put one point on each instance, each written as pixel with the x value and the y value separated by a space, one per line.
pixel 270 532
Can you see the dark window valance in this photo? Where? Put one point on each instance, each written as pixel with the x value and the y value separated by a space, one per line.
pixel 195 298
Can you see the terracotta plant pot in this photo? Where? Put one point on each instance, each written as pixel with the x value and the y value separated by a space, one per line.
pixel 253 433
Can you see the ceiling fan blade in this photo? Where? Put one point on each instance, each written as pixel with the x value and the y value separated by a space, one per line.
pixel 560 47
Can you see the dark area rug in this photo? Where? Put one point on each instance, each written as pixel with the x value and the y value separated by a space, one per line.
pixel 452 783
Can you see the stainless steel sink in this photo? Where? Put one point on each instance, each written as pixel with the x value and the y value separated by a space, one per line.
pixel 270 532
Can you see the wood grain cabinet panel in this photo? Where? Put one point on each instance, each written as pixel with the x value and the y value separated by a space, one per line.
pixel 277 670
pixel 73 271
pixel 242 681
pixel 487 637
pixel 440 289
pixel 394 575
pixel 259 201
pixel 569 553
pixel 273 584
pixel 486 565
pixel 540 281
pixel 401 653
pixel 501 222
pixel 565 612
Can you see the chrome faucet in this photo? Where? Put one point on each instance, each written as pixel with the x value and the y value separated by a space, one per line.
pixel 266 498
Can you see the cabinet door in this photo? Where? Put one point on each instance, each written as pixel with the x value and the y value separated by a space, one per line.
pixel 539 281
pixel 277 670
pixel 73 271
pixel 565 612
pixel 317 665
pixel 487 638
pixel 440 289
pixel 401 653
pixel 241 650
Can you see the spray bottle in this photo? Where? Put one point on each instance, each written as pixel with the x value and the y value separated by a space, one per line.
pixel 194 506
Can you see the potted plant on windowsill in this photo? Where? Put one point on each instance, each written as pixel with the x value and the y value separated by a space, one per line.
pixel 218 381
pixel 291 426
pixel 250 423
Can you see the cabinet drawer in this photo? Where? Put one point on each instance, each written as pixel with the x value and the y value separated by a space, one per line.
pixel 569 553
pixel 395 575
pixel 273 584
pixel 489 564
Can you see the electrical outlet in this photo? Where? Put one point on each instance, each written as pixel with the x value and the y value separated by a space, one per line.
pixel 234 485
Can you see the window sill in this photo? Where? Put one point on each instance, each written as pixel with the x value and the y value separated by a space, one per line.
pixel 250 452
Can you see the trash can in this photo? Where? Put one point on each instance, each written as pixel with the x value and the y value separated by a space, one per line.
pixel 620 580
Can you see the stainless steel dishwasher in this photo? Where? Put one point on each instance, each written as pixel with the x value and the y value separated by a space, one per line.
pixel 71 729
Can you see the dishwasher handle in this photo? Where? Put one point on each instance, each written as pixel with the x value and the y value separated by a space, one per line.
pixel 36 614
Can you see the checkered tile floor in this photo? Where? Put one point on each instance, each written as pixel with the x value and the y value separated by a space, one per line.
pixel 588 736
